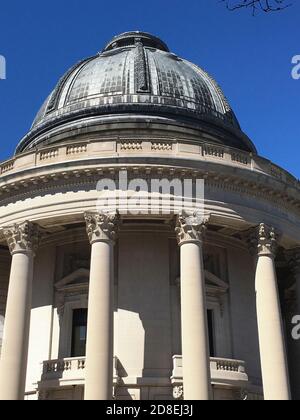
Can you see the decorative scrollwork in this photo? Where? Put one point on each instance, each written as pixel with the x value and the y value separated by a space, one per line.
pixel 190 228
pixel 23 237
pixel 263 240
pixel 101 227
pixel 178 392
pixel 141 66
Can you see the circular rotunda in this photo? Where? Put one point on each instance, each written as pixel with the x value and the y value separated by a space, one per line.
pixel 147 251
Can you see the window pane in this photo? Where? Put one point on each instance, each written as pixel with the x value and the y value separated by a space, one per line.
pixel 79 329
pixel 210 320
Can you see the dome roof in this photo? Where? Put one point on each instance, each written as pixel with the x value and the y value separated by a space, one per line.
pixel 135 74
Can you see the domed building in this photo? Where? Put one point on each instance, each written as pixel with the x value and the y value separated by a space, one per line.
pixel 147 251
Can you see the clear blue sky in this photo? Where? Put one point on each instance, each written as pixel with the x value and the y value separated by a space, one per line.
pixel 249 56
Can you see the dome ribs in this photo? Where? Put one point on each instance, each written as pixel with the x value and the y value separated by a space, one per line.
pixel 141 69
pixel 53 102
pixel 135 79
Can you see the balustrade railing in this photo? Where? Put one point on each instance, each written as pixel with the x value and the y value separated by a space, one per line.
pixel 222 370
pixel 207 151
pixel 69 369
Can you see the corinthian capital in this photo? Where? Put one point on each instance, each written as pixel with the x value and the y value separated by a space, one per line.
pixel 263 240
pixel 23 237
pixel 190 228
pixel 178 392
pixel 101 227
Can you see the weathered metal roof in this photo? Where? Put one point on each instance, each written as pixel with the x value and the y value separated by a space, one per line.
pixel 135 73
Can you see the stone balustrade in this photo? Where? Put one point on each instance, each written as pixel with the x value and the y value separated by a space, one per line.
pixel 223 371
pixel 154 147
pixel 68 371
pixel 63 365
pixel 7 166
pixel 228 365
pixel 227 368
pixel 71 371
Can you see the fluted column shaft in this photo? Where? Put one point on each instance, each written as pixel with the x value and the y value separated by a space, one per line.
pixel 195 343
pixel 22 240
pixel 99 349
pixel 270 328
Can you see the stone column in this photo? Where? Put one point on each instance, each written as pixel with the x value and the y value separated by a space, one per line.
pixel 270 328
pixel 99 349
pixel 195 343
pixel 22 241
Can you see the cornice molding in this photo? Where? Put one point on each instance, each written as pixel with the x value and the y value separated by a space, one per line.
pixel 88 177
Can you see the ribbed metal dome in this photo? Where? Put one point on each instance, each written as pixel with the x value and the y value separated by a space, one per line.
pixel 135 73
